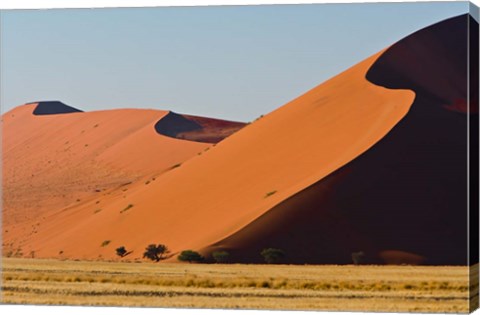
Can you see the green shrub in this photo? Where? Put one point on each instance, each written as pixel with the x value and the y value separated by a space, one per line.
pixel 155 252
pixel 272 255
pixel 126 208
pixel 358 258
pixel 105 243
pixel 221 256
pixel 270 193
pixel 121 251
pixel 190 256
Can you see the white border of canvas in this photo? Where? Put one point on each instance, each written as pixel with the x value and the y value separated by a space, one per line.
pixel 70 310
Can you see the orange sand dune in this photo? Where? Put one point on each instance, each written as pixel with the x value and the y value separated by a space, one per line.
pixel 217 193
pixel 403 200
pixel 56 156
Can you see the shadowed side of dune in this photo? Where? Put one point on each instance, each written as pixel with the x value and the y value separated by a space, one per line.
pixel 193 128
pixel 408 193
pixel 213 130
pixel 307 226
pixel 54 108
pixel 173 124
pixel 474 134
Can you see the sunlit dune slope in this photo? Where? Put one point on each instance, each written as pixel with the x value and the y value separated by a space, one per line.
pixel 55 156
pixel 219 192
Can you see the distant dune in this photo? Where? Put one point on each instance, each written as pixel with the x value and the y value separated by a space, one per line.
pixel 55 162
pixel 372 160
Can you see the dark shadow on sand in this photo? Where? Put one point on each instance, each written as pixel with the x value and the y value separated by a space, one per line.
pixel 54 108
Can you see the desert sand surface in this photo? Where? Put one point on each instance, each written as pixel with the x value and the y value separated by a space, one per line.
pixel 364 161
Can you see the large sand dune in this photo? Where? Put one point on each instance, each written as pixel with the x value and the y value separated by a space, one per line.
pixel 57 157
pixel 407 194
pixel 405 199
pixel 364 161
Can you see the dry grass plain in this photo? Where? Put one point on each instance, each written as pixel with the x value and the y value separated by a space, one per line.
pixel 290 287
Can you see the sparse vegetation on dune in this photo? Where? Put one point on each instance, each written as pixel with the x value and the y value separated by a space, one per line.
pixel 221 256
pixel 272 255
pixel 358 258
pixel 121 251
pixel 155 252
pixel 126 208
pixel 387 288
pixel 190 256
pixel 270 193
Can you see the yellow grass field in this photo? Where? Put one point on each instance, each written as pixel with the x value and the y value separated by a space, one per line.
pixel 290 287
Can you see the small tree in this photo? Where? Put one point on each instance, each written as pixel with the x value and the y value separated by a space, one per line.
pixel 220 257
pixel 190 256
pixel 121 251
pixel 358 258
pixel 155 252
pixel 272 255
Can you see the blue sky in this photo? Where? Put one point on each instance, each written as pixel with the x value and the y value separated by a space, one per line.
pixel 228 62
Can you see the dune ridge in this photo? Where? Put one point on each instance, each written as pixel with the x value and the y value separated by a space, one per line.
pixel 52 161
